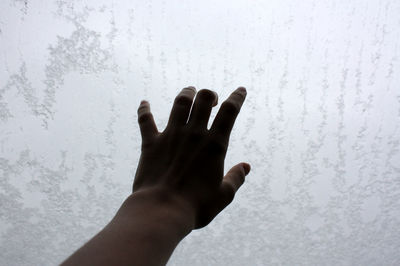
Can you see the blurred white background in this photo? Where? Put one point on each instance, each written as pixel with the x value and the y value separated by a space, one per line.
pixel 320 125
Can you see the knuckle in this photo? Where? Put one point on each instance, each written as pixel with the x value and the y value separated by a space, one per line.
pixel 146 145
pixel 216 146
pixel 231 107
pixel 183 100
pixel 229 194
pixel 144 117
pixel 142 109
pixel 142 106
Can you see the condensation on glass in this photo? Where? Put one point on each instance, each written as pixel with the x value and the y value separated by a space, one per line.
pixel 320 125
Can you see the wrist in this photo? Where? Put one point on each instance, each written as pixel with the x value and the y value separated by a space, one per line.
pixel 143 224
pixel 158 210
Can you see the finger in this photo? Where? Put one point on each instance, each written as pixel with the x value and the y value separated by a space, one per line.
pixel 181 108
pixel 231 182
pixel 226 116
pixel 205 100
pixel 148 128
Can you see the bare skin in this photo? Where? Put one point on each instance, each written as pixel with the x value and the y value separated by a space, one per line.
pixel 179 184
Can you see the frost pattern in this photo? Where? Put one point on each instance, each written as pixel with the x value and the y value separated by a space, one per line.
pixel 320 126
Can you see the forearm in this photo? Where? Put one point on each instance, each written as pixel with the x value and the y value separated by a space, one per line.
pixel 143 232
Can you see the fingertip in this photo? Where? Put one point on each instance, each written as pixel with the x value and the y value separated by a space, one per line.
pixel 246 168
pixel 215 99
pixel 191 88
pixel 242 89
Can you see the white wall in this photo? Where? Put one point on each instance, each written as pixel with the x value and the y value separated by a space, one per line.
pixel 320 126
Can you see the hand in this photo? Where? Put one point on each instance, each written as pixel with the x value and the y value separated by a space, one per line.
pixel 184 164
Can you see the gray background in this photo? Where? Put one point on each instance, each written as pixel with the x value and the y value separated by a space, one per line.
pixel 320 126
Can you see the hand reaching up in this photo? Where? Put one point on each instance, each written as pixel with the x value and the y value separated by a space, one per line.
pixel 179 184
pixel 184 164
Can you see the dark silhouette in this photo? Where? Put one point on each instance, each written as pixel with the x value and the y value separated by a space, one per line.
pixel 179 184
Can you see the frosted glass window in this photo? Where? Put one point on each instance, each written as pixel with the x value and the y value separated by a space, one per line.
pixel 320 125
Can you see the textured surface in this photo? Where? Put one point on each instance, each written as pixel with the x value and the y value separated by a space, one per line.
pixel 320 126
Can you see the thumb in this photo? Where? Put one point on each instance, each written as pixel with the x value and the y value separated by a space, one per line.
pixel 231 182
pixel 226 192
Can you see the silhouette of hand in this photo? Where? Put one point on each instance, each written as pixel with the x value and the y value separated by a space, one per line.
pixel 184 164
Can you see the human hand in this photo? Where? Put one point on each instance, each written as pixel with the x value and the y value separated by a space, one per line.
pixel 184 164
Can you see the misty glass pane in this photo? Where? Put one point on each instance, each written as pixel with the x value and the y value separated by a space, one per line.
pixel 320 125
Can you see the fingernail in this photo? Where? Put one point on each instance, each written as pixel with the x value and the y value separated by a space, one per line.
pixel 191 88
pixel 246 168
pixel 243 90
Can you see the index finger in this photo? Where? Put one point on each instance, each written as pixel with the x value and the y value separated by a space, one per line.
pixel 226 116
